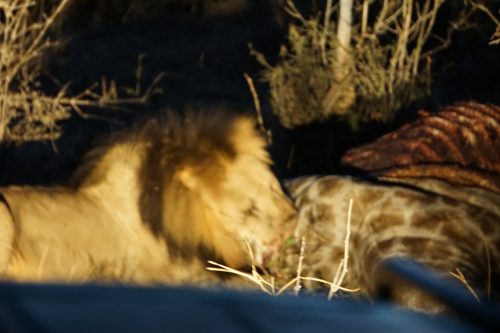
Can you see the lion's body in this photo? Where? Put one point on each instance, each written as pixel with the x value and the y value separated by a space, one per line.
pixel 66 235
pixel 393 221
pixel 150 205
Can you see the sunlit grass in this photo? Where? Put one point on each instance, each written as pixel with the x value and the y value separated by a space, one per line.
pixel 268 284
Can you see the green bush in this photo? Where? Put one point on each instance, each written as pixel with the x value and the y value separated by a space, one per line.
pixel 383 66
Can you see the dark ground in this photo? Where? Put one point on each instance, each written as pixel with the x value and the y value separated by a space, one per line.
pixel 203 59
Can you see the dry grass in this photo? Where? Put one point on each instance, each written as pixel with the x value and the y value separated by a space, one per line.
pixel 26 111
pixel 495 37
pixel 458 274
pixel 267 283
pixel 256 102
pixel 365 66
pixel 461 277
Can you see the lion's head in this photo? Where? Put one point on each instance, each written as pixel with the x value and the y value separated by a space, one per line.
pixel 195 186
pixel 232 195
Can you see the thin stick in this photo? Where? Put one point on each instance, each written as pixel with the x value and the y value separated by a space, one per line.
pixel 256 102
pixel 326 31
pixel 287 285
pixel 308 278
pixel 337 282
pixel 298 285
pixel 222 268
pixel 364 18
pixel 336 277
pixel 460 276
pixel 256 274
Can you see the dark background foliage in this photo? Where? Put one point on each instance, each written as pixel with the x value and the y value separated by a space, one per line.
pixel 201 47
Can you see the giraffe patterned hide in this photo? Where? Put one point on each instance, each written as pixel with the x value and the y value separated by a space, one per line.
pixel 389 221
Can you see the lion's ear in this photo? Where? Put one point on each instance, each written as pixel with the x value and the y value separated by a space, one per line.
pixel 189 178
pixel 203 178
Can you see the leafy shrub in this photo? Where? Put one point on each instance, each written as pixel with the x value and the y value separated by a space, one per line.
pixel 365 68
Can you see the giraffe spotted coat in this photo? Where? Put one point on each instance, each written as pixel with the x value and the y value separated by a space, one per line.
pixel 391 220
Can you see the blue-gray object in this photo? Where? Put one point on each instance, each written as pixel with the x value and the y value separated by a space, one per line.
pixel 94 308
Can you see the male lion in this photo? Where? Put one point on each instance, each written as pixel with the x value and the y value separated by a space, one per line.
pixel 150 205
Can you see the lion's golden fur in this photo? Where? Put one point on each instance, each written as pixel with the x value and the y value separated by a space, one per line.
pixel 151 204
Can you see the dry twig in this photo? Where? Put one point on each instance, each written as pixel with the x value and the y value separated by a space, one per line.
pixel 256 102
pixel 339 278
pixel 269 286
pixel 460 276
